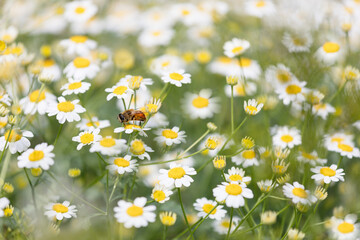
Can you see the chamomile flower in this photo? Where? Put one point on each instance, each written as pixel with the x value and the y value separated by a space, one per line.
pixel 79 11
pixel 237 175
pixel 140 150
pixel 323 110
pixel 86 124
pixel 5 98
pixel 78 45
pixel 166 63
pixel 215 137
pixel 81 68
pixel 248 68
pixel 40 156
pixel 266 185
pixel 177 176
pixel 136 82
pixel 241 89
pixel 328 174
pixel 246 158
pixel 346 149
pixel 17 140
pixel 295 234
pixel 120 90
pixel 37 102
pixel 177 77
pixel 60 210
pixel 130 128
pixel 109 146
pixel 134 214
pixel 329 52
pixel 204 206
pixel 4 202
pixel 331 141
pixel 312 158
pixel 279 75
pixel 201 105
pixel 251 107
pixel 153 37
pixel 9 34
pixel 222 226
pixel 346 228
pixel 65 110
pixel 297 42
pixel 161 193
pixel 121 165
pixel 259 8
pixel 88 137
pixel 170 137
pixel 75 87
pixel 292 92
pixel 50 69
pixel 235 47
pixel 232 193
pixel 297 193
pixel 287 137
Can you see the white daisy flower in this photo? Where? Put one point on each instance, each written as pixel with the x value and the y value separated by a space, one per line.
pixel 286 137
pixel 177 77
pixel 153 37
pixel 109 146
pixel 4 98
pixel 134 214
pixel 60 210
pixel 149 174
pixel 252 107
pixel 88 137
pixel 232 193
pixel 9 34
pixel 222 226
pixel 86 124
pixel 297 193
pixel 78 45
pixel 4 202
pixel 311 158
pixel 65 110
pixel 357 124
pixel 225 66
pixel 3 124
pixel 17 140
pixel 177 176
pixel 346 149
pixel 201 105
pixel 292 92
pixel 237 175
pixel 81 68
pixel 297 42
pixel 220 139
pixel 259 8
pixel 40 156
pixel 241 89
pixel 246 158
pixel 121 165
pixel 235 47
pixel 130 128
pixel 79 11
pixel 331 141
pixel 36 102
pixel 50 70
pixel 279 75
pixel 120 90
pixel 139 149
pixel 161 193
pixel 204 206
pixel 169 136
pixel 130 80
pixel 166 63
pixel 346 228
pixel 266 185
pixel 323 110
pixel 328 174
pixel 329 52
pixel 247 68
pixel 75 87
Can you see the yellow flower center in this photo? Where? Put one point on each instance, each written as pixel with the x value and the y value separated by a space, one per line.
pixel 168 133
pixel 13 136
pixel 131 126
pixel 48 63
pixel 308 156
pixel 159 195
pixel 248 154
pixel 165 64
pixel 345 147
pixel 176 173
pixel 293 89
pixel 153 108
pixel 260 4
pixel 80 10
pixel 200 102
pixel 3 124
pixel 283 76
pixel 287 138
pixel 7 37
pixel 240 90
pixel 225 224
pixel 137 147
pixel 245 62
pixel 235 177
pixel 78 39
pixel 91 124
pixel 36 155
pixel 134 211
pixel 107 142
pixel 120 90
pixel 299 192
pixel 225 60
pixel 237 50
pixel 233 189
pixel 8 211
pixel 251 109
pixel 168 220
pixel 34 96
pixel 66 106
pixel 75 85
pixel 156 33
pixel 121 162
pixel 59 208
pixel 326 171
pixel 337 139
pixel 207 208
pixel 331 47
pixel 87 138
pixel 345 227
pixel 185 12
pixel 2 46
pixel 299 41
pixel 81 62
pixel 176 76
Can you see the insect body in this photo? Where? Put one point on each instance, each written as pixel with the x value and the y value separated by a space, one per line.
pixel 131 115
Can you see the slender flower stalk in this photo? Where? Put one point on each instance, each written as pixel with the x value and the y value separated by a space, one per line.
pixel 183 211
pixel 231 218
pixel 232 108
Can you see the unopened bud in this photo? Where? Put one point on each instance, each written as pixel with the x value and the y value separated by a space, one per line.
pixel 211 126
pixel 219 162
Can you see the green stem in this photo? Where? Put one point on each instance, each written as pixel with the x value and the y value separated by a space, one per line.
pixel 232 108
pixel 6 143
pixel 186 230
pixel 164 232
pixel 132 185
pixel 252 229
pixel 99 155
pixel 231 218
pixel 114 187
pixel 338 91
pixel 32 189
pixel 196 142
pixel 135 99
pixel 223 175
pixel 183 211
pixel 163 90
pixel 123 100
pixel 283 209
pixel 290 225
pixel 172 160
pixel 203 219
pixel 58 134
pixel 132 95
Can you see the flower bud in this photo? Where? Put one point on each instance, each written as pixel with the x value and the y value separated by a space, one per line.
pixel 268 217
pixel 232 80
pixel 219 162
pixel 167 218
pixel 74 172
pixel 211 126
pixel 36 172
